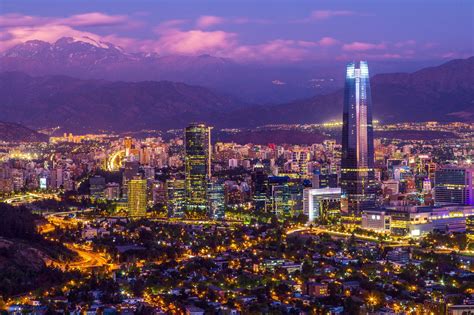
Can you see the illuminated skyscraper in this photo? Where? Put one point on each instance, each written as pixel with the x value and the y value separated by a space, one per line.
pixel 260 187
pixel 176 197
pixel 197 165
pixel 357 163
pixel 216 199
pixel 454 185
pixel 137 197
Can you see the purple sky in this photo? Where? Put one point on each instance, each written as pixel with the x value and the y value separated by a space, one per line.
pixel 253 31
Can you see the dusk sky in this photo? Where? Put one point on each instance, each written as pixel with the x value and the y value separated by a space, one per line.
pixel 253 31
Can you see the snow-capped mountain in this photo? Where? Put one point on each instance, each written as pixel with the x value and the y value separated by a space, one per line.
pixel 87 58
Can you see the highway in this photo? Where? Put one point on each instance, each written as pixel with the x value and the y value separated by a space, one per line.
pixel 28 198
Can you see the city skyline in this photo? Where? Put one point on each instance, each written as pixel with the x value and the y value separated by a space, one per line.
pixel 236 157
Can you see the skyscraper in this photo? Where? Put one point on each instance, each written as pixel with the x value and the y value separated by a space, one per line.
pixel 197 165
pixel 176 197
pixel 216 199
pixel 357 163
pixel 137 197
pixel 454 185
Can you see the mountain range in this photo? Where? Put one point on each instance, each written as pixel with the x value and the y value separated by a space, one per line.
pixel 92 105
pixel 42 96
pixel 443 93
pixel 13 132
pixel 86 58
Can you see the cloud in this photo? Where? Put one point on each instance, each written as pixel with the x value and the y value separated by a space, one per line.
pixel 361 46
pixel 206 21
pixel 87 19
pixel 192 37
pixel 93 19
pixel 176 41
pixel 320 15
pixel 406 43
pixel 326 14
pixel 276 50
pixel 14 19
pixel 48 33
pixel 328 41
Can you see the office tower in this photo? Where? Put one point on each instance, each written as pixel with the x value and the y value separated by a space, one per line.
pixel 112 191
pixel 216 199
pixel 357 163
pixel 130 170
pixel 128 144
pixel 280 195
pixel 300 159
pixel 260 187
pixel 323 180
pixel 176 197
pixel 322 203
pixel 97 186
pixel 197 165
pixel 137 197
pixel 454 185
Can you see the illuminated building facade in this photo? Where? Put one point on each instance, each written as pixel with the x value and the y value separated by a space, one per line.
pixel 260 187
pixel 197 165
pixel 357 163
pixel 216 199
pixel 321 203
pixel 454 185
pixel 130 171
pixel 137 197
pixel 280 195
pixel 176 197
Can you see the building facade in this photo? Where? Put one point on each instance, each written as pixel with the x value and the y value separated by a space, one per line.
pixel 357 163
pixel 454 185
pixel 321 203
pixel 197 166
pixel 137 197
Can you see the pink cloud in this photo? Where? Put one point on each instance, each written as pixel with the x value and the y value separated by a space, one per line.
pixel 86 19
pixel 14 19
pixel 361 46
pixel 326 14
pixel 328 41
pixel 206 21
pixel 176 41
pixel 48 33
pixel 274 50
pixel 93 19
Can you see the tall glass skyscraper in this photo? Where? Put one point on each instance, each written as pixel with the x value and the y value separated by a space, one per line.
pixel 197 166
pixel 137 197
pixel 357 164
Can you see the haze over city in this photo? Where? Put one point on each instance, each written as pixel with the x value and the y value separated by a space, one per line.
pixel 236 157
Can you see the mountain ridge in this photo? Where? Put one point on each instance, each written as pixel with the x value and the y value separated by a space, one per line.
pixel 444 93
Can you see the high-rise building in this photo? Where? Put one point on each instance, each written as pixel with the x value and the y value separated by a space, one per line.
pixel 176 197
pixel 130 170
pixel 357 163
pixel 260 187
pixel 216 199
pixel 97 186
pixel 321 202
pixel 454 185
pixel 128 145
pixel 112 191
pixel 197 165
pixel 280 196
pixel 323 180
pixel 137 197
